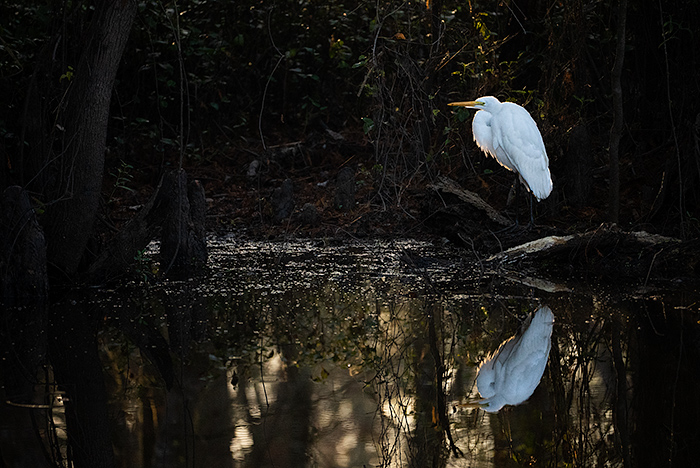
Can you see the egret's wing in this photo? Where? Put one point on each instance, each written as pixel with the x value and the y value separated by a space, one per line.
pixel 534 338
pixel 492 372
pixel 527 363
pixel 519 146
pixel 522 381
pixel 512 372
pixel 481 129
pixel 537 336
pixel 486 377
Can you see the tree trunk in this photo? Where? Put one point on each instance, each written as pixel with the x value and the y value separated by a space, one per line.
pixel 22 250
pixel 119 254
pixel 183 247
pixel 23 317
pixel 618 122
pixel 578 168
pixel 75 194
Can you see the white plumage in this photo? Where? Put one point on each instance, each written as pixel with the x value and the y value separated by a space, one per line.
pixel 507 132
pixel 511 373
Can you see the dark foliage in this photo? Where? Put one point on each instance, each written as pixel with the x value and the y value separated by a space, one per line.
pixel 213 84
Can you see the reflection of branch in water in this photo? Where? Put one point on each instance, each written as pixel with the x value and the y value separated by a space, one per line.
pixel 410 387
pixel 675 389
pixel 620 406
pixel 395 407
pixel 428 436
pixel 585 427
pixel 442 419
pixel 584 375
pixel 561 408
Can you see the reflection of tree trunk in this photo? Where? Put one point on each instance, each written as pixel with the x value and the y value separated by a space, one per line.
pixel 561 406
pixel 69 220
pixel 187 318
pixel 666 404
pixel 283 436
pixel 426 443
pixel 620 405
pixel 524 431
pixel 195 426
pixel 431 423
pixel 142 332
pixel 78 370
pixel 134 395
pixel 22 352
pixel 440 372
pixel 20 446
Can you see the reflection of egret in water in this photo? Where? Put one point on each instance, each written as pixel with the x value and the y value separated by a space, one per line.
pixel 511 373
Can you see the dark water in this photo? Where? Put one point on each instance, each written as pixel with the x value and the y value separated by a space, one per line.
pixel 363 354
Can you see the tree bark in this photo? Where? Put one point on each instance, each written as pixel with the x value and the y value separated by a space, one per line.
pixel 118 255
pixel 22 250
pixel 75 194
pixel 578 168
pixel 183 245
pixel 23 318
pixel 618 122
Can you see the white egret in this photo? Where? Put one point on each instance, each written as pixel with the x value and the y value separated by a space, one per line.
pixel 510 374
pixel 507 132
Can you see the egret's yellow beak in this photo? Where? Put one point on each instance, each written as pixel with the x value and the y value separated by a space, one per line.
pixel 466 104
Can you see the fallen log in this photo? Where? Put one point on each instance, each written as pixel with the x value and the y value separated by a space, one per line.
pixel 606 252
pixel 447 185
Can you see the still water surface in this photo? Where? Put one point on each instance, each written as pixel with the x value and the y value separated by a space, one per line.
pixel 365 354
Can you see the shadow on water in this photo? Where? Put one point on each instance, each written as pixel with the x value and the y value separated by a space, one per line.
pixel 303 354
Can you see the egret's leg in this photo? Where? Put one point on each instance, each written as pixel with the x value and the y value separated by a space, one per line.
pixel 517 199
pixel 515 188
pixel 532 204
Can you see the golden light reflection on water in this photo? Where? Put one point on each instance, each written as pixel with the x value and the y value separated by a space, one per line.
pixel 242 441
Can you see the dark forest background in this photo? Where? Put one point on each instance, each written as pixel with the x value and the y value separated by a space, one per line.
pixel 244 95
pixel 124 121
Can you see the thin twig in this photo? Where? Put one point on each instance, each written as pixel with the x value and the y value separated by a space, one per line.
pixel 269 78
pixel 681 208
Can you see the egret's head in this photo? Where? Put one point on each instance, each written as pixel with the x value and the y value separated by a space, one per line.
pixel 483 103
